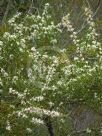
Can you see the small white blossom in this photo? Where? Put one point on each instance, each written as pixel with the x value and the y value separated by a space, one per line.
pixel 8 127
pixel 37 121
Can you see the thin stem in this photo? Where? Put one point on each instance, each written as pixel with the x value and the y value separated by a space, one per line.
pixel 49 126
pixel 6 12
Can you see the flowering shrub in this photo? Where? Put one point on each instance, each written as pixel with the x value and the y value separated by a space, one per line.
pixel 37 85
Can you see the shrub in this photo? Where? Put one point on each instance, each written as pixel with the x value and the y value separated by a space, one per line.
pixel 38 86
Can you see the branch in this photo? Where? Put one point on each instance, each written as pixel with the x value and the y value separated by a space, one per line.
pixel 84 131
pixel 49 126
pixel 85 22
pixel 6 12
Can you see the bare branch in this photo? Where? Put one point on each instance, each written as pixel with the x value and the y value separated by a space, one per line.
pixel 85 22
pixel 6 12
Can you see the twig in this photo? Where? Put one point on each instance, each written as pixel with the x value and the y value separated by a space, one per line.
pixel 85 22
pixel 6 12
pixel 49 126
pixel 84 131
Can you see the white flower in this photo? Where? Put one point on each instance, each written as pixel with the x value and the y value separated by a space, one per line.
pixel 47 4
pixel 6 35
pixel 51 104
pixel 59 83
pixel 20 49
pixel 24 116
pixel 39 111
pixel 12 91
pixel 95 95
pixel 15 78
pixel 39 98
pixel 5 74
pixel 88 130
pixel 54 41
pixel 33 49
pixel 76 58
pixel 8 127
pixel 37 121
pixel 1 43
pixel 29 130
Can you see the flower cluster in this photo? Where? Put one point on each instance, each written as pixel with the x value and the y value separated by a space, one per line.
pixel 66 22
